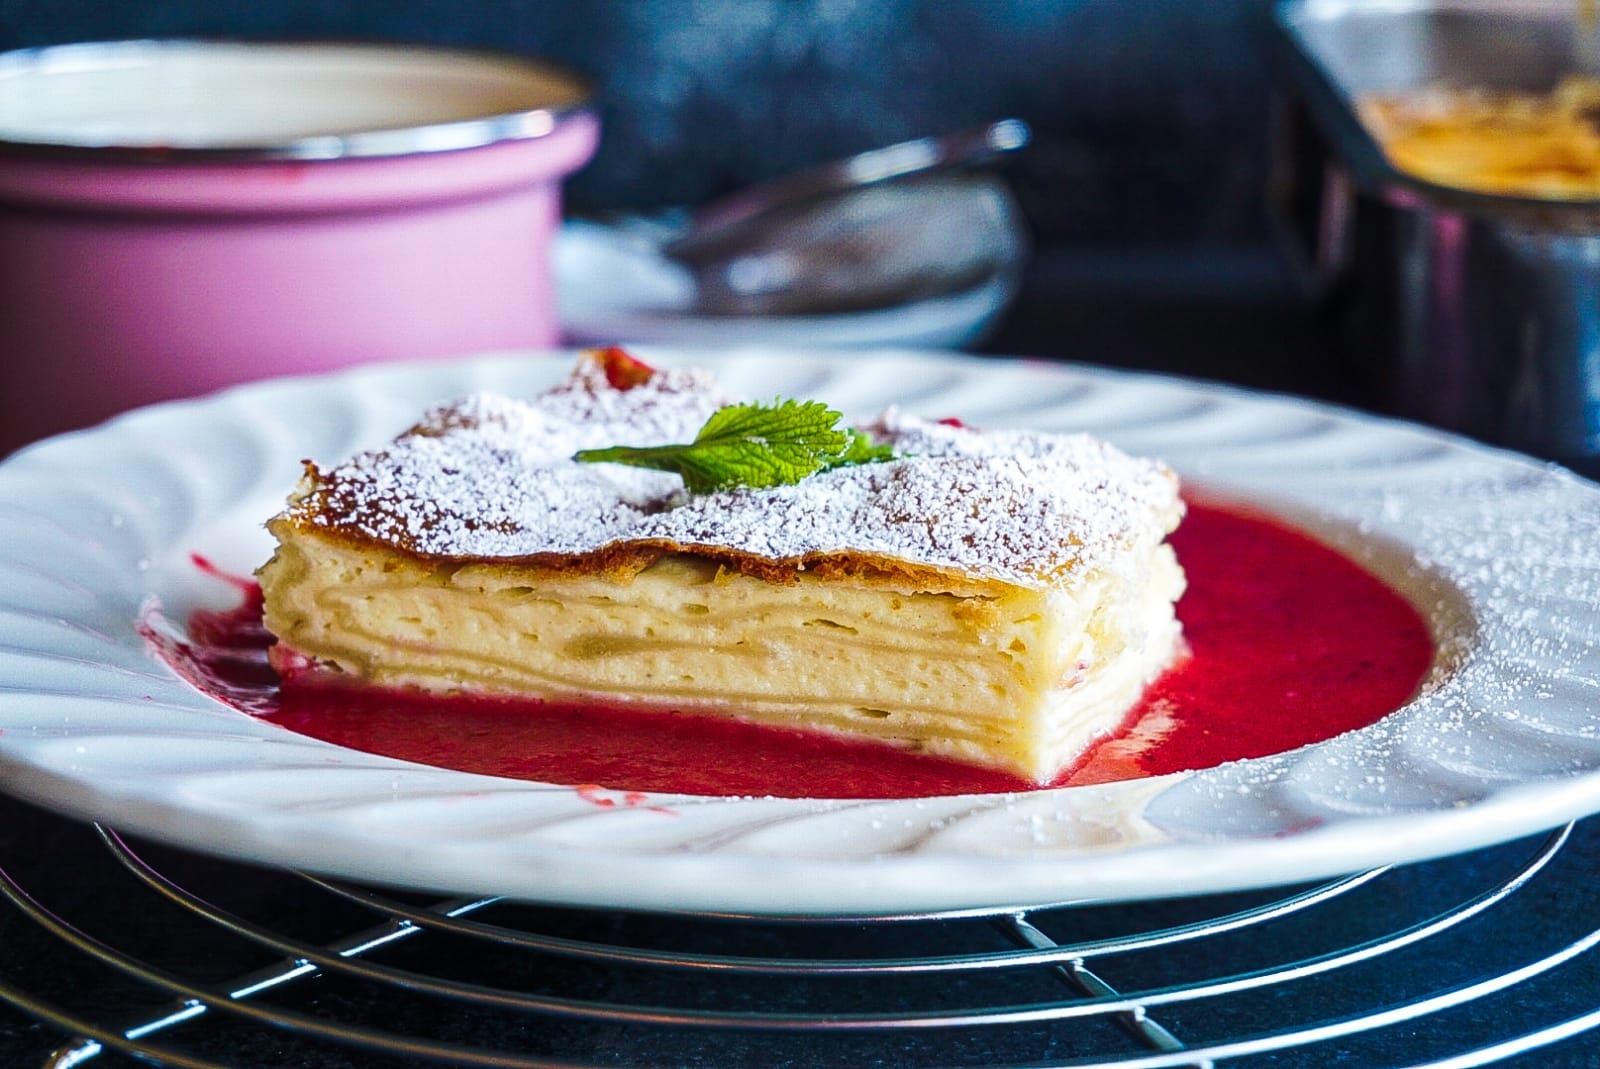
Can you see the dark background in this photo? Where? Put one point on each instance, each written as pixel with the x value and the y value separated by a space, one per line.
pixel 1149 114
pixel 1144 186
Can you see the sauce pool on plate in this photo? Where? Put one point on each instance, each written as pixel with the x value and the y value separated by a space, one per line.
pixel 1290 643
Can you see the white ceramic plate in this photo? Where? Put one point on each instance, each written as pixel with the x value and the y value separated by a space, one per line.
pixel 613 283
pixel 1502 554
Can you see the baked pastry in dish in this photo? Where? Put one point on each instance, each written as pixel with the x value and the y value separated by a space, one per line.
pixel 999 598
pixel 1504 142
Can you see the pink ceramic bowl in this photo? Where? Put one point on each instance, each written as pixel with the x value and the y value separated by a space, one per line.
pixel 179 216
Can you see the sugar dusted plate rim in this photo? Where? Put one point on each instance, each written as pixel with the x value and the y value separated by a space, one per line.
pixel 99 527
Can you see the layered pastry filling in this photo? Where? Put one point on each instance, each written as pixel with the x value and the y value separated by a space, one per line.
pixel 999 598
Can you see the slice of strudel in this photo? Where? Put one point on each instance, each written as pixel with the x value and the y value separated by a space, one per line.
pixel 1000 598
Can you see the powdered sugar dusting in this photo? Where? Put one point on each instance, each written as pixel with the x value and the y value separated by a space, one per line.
pixel 492 477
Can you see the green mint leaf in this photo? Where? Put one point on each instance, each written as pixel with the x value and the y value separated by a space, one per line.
pixel 755 446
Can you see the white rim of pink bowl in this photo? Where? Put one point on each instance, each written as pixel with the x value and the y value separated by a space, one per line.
pixel 83 99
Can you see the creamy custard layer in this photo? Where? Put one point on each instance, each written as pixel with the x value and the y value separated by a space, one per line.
pixel 1016 678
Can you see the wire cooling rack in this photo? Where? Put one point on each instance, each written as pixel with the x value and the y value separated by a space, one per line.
pixel 116 953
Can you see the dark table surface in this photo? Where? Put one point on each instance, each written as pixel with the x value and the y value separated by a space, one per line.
pixel 1233 317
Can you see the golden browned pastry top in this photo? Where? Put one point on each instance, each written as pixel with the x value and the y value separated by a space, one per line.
pixel 492 478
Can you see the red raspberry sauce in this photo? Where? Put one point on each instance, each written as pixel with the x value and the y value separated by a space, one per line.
pixel 1291 643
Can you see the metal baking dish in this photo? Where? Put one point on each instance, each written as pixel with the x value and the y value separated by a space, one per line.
pixel 1475 312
